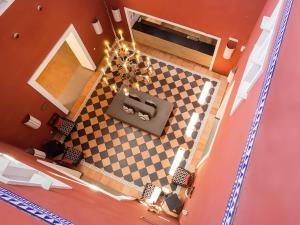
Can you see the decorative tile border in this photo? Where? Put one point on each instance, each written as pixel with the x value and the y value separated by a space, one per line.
pixel 236 189
pixel 31 208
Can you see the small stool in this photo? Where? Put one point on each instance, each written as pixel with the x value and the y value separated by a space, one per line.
pixel 174 204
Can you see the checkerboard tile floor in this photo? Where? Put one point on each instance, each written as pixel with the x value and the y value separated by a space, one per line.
pixel 133 155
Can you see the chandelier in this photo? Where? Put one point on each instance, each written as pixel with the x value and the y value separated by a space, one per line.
pixel 130 65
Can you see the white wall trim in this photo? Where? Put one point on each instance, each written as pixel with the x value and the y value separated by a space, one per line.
pixel 217 122
pixel 87 184
pixel 15 172
pixel 4 5
pixel 127 10
pixel 94 86
pixel 257 58
pixel 80 52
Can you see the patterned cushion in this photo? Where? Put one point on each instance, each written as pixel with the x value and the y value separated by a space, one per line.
pixel 58 123
pixel 128 109
pixel 143 116
pixel 180 177
pixel 72 155
pixel 149 188
pixel 66 127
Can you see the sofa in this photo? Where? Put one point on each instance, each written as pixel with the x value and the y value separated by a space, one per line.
pixel 141 110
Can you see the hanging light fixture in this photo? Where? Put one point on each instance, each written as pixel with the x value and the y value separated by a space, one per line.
pixel 130 66
pixel 127 61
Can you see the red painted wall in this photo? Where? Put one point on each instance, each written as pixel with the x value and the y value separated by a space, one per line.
pixel 80 205
pixel 39 32
pixel 10 212
pixel 271 190
pixel 215 178
pixel 272 184
pixel 234 18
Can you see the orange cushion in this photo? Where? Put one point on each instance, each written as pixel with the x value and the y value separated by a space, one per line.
pixel 58 123
pixel 187 180
pixel 67 161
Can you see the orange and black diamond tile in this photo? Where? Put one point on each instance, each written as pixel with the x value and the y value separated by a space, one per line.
pixel 134 155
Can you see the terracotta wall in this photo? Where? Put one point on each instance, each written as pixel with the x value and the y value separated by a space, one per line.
pixel 80 205
pixel 224 19
pixel 271 190
pixel 215 178
pixel 19 59
pixel 39 32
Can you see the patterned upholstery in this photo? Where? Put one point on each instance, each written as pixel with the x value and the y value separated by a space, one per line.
pixel 143 116
pixel 149 188
pixel 72 156
pixel 128 109
pixel 60 124
pixel 66 127
pixel 182 177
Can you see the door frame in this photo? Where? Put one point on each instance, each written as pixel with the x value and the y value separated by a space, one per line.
pixel 77 46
